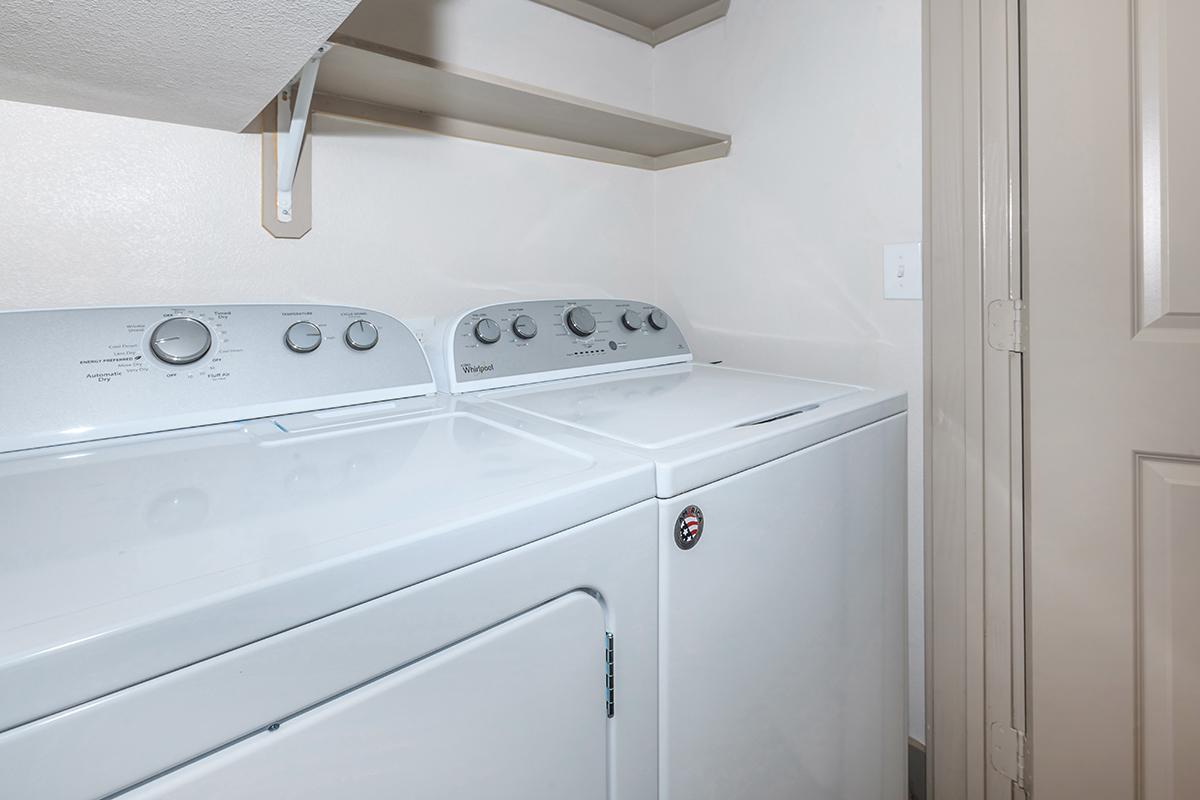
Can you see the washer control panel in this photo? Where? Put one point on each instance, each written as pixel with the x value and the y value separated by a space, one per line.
pixel 91 373
pixel 509 344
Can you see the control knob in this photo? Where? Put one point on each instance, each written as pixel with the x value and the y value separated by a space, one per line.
pixel 180 340
pixel 581 322
pixel 659 320
pixel 632 320
pixel 302 337
pixel 525 326
pixel 487 330
pixel 362 335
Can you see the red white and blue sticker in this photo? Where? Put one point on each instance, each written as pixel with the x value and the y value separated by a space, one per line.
pixel 688 527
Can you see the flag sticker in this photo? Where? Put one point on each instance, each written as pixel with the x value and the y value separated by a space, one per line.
pixel 688 527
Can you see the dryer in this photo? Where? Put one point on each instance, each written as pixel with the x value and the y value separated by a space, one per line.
pixel 781 535
pixel 245 553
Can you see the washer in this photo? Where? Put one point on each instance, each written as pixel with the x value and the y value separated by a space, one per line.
pixel 781 534
pixel 246 552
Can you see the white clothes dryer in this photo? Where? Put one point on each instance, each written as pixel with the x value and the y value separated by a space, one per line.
pixel 243 553
pixel 781 535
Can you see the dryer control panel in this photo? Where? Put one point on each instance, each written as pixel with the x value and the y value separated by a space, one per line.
pixel 82 374
pixel 510 344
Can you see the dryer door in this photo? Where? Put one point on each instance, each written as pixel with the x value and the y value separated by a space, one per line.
pixel 514 712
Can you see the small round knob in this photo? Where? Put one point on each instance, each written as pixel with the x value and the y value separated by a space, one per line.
pixel 632 320
pixel 180 340
pixel 525 326
pixel 581 322
pixel 487 330
pixel 659 320
pixel 362 335
pixel 302 337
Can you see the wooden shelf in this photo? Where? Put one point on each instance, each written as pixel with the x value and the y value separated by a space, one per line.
pixel 649 21
pixel 364 80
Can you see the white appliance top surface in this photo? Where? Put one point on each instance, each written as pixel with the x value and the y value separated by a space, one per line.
pixel 666 406
pixel 698 423
pixel 126 558
pixel 621 371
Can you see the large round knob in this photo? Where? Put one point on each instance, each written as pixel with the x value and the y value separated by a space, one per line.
pixel 362 335
pixel 525 326
pixel 659 320
pixel 487 330
pixel 632 320
pixel 581 322
pixel 180 340
pixel 302 337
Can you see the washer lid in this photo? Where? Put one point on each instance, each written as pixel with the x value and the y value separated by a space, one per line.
pixel 125 559
pixel 669 406
pixel 698 423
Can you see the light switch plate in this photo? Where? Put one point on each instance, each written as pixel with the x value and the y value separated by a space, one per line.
pixel 902 271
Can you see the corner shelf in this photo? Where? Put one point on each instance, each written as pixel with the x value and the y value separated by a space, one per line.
pixel 649 21
pixel 364 80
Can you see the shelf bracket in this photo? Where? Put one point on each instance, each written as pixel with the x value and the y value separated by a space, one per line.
pixel 291 120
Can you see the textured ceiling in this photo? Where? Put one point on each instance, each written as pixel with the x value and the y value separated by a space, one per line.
pixel 213 63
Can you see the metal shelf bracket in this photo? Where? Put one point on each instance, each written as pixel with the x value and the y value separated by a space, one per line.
pixel 291 111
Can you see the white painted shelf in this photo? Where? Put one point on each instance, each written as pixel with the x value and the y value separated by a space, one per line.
pixel 649 21
pixel 365 80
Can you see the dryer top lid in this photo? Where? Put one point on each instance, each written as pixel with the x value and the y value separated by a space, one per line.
pixel 124 559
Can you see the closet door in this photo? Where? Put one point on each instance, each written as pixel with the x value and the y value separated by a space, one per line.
pixel 1113 141
pixel 515 712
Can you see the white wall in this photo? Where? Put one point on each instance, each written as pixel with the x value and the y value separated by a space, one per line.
pixel 774 253
pixel 97 209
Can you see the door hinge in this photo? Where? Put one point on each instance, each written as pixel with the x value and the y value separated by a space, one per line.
pixel 1010 754
pixel 610 698
pixel 1008 325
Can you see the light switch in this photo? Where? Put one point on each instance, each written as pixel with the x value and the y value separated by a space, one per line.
pixel 902 271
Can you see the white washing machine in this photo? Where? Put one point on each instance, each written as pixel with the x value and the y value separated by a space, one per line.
pixel 781 517
pixel 243 555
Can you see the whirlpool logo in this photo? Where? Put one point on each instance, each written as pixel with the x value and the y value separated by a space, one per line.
pixel 476 369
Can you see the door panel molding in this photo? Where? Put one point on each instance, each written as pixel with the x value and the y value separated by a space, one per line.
pixel 1167 279
pixel 1167 593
